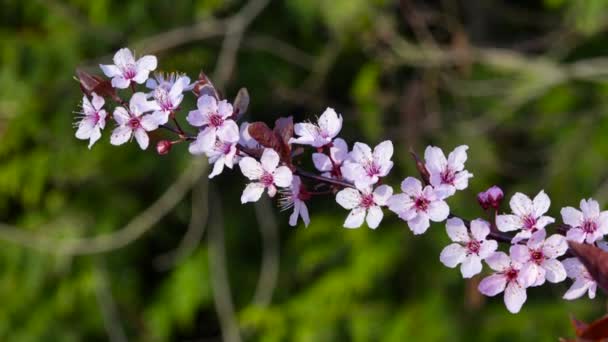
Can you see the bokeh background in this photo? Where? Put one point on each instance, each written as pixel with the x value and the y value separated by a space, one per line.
pixel 119 244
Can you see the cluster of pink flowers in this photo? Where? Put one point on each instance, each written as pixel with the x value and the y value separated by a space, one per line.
pixel 356 177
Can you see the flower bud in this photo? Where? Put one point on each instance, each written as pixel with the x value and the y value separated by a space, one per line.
pixel 490 198
pixel 163 147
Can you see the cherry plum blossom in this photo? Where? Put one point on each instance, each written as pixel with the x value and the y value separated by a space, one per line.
pixel 469 248
pixel 418 205
pixel 583 282
pixel 265 174
pixel 126 69
pixel 92 119
pixel 528 215
pixel 214 117
pixel 448 174
pixel 327 128
pixel 586 225
pixel 364 205
pixel 365 167
pixel 134 122
pixel 539 257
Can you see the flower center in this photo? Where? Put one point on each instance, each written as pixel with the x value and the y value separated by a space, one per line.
pixel 589 226
pixel 473 246
pixel 529 222
pixel 537 256
pixel 134 123
pixel 511 274
pixel 367 201
pixel 129 71
pixel 372 169
pixel 162 98
pixel 267 179
pixel 421 203
pixel 215 120
pixel 448 176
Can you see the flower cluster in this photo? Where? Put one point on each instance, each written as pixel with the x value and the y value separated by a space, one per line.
pixel 357 177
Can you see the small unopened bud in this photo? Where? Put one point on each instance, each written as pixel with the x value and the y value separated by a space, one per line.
pixel 490 198
pixel 163 147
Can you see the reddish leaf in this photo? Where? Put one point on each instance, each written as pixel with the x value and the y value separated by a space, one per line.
pixel 277 139
pixel 263 135
pixel 241 102
pixel 594 259
pixel 90 83
pixel 203 86
pixel 594 331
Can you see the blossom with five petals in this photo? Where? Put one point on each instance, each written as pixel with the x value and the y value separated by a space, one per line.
pixel 214 117
pixel 448 174
pixel 539 257
pixel 364 205
pixel 528 215
pixel 265 174
pixel 586 225
pixel 134 122
pixel 92 119
pixel 365 167
pixel 126 69
pixel 328 126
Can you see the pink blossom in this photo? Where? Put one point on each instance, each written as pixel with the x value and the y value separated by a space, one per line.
pixel 295 197
pixel 330 165
pixel 214 116
pixel 364 205
pixel 490 198
pixel 527 215
pixel 135 122
pixel 266 175
pixel 539 257
pixel 588 225
pixel 418 205
pixel 166 81
pixel 469 247
pixel 169 99
pixel 126 69
pixel 508 278
pixel 448 174
pixel 92 119
pixel 321 134
pixel 365 167
pixel 222 154
pixel 583 282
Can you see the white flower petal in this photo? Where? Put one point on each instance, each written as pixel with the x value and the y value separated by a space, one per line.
pixel 438 211
pixel 339 150
pixel 355 218
pixel 330 122
pixel 374 217
pixel 590 208
pixel 252 192
pixel 435 161
pixel 515 297
pixel 452 255
pixel 228 132
pixel 456 230
pixel 123 57
pixel 383 152
pixel 578 289
pixel 541 204
pixel 571 216
pixel 251 168
pixel 576 234
pixel 282 176
pixel 348 198
pixel 537 239
pixel 487 248
pixel 322 162
pixel 458 157
pixel 419 224
pixel 555 271
pixel 270 159
pixel 142 138
pixel 492 285
pixel 382 194
pixel 480 229
pixel 120 135
pixel 508 223
pixel 574 268
pixel 361 153
pixel 498 261
pixel 555 246
pixel 521 205
pixel 520 253
pixel 471 266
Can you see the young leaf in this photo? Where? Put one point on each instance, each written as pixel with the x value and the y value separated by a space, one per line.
pixel 594 259
pixel 204 86
pixel 90 83
pixel 594 331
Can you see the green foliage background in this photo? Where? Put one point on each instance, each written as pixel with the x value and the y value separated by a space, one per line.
pixel 523 83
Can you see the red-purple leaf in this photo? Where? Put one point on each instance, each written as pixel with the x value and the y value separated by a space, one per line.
pixel 90 83
pixel 594 259
pixel 241 102
pixel 594 331
pixel 274 139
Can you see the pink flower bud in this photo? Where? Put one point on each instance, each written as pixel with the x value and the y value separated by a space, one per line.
pixel 490 198
pixel 163 147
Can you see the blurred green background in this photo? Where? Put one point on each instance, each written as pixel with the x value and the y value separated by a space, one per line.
pixel 117 244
